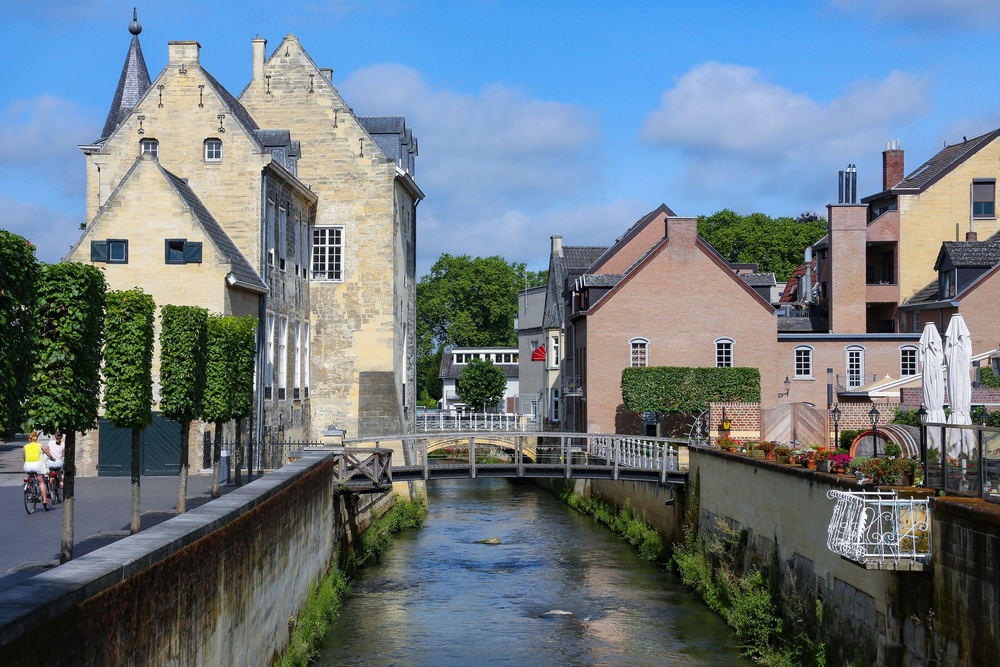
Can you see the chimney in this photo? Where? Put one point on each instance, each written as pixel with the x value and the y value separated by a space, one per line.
pixel 971 236
pixel 682 230
pixel 556 246
pixel 327 73
pixel 892 165
pixel 183 53
pixel 259 50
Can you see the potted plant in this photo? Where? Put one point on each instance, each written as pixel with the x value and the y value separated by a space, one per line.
pixel 893 451
pixel 880 471
pixel 839 461
pixel 727 444
pixel 782 454
pixel 768 448
pixel 905 470
pixel 804 456
pixel 822 458
pixel 755 450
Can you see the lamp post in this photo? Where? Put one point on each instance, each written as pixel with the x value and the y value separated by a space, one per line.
pixel 788 387
pixel 836 425
pixel 873 415
pixel 921 415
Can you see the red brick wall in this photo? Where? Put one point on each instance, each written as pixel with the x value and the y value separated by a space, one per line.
pixel 636 247
pixel 914 396
pixel 744 419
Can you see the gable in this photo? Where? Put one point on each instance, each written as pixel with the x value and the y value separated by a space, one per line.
pixel 634 243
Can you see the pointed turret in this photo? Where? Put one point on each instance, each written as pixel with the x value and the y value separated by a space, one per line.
pixel 133 83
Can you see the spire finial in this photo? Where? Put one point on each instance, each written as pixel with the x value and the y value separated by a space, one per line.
pixel 134 26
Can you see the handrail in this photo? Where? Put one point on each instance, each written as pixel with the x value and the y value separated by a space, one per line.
pixel 879 527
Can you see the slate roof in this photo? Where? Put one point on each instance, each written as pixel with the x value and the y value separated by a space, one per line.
pixel 948 158
pixel 235 108
pixel 599 280
pixel 971 254
pixel 573 258
pixel 581 256
pixel 450 370
pixel 928 294
pixel 759 279
pixel 272 138
pixel 132 85
pixel 394 139
pixel 241 268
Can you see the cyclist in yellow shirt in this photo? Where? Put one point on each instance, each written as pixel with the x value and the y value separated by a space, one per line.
pixel 34 454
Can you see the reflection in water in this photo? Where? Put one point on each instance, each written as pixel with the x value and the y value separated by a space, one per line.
pixel 439 599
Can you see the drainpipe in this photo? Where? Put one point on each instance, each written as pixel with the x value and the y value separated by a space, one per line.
pixel 261 314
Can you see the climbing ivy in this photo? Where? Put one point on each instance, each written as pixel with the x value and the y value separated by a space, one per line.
pixel 680 389
pixel 18 294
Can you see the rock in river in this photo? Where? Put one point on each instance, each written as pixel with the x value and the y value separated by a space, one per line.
pixel 490 540
pixel 557 613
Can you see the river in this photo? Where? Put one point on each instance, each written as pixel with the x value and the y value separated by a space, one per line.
pixel 438 599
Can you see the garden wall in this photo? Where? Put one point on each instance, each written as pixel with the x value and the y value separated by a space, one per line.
pixel 912 397
pixel 215 586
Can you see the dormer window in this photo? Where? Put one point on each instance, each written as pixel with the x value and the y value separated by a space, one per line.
pixel 983 199
pixel 150 147
pixel 213 150
pixel 947 281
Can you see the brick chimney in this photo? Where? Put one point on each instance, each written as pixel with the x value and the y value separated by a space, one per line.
pixel 892 165
pixel 971 236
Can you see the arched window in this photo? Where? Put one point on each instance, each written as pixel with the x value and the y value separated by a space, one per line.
pixel 213 150
pixel 150 147
pixel 907 360
pixel 804 361
pixel 724 352
pixel 855 366
pixel 639 348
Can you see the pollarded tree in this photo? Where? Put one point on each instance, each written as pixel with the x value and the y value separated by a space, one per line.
pixel 128 373
pixel 220 380
pixel 481 384
pixel 243 331
pixel 18 275
pixel 65 396
pixel 183 341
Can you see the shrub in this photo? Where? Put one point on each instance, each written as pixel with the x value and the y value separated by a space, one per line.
pixel 782 451
pixel 847 438
pixel 892 450
pixel 841 450
pixel 857 462
pixel 907 417
pixel 823 455
pixel 880 471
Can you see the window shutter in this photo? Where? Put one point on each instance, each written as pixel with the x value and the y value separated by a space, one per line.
pixel 98 251
pixel 192 252
pixel 983 191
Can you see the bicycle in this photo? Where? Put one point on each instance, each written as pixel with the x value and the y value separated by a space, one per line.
pixel 32 494
pixel 55 487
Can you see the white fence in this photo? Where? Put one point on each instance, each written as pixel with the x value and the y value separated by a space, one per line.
pixel 635 452
pixel 877 528
pixel 459 422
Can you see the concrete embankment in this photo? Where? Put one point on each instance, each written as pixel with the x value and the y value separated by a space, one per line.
pixel 215 586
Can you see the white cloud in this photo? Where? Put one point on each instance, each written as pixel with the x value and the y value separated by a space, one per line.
pixel 754 138
pixel 980 15
pixel 493 156
pixel 41 135
pixel 52 232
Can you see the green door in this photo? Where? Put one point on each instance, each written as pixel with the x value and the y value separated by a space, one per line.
pixel 159 449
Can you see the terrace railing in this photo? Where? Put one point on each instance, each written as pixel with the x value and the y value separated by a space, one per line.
pixel 880 530
pixel 972 470
pixel 488 421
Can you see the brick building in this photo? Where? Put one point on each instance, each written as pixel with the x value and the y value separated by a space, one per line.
pixel 282 205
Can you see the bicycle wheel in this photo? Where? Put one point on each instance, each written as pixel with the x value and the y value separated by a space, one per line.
pixel 30 498
pixel 55 493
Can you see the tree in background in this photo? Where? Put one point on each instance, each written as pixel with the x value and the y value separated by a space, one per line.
pixel 65 395
pixel 467 302
pixel 776 245
pixel 481 384
pixel 128 374
pixel 183 338
pixel 18 294
pixel 244 344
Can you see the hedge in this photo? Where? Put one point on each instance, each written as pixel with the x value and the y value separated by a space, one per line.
pixel 679 389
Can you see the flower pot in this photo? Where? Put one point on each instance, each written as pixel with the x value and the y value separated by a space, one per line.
pixel 805 463
pixel 823 466
pixel 757 453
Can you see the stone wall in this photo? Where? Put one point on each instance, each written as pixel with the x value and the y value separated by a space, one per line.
pixel 744 420
pixel 216 586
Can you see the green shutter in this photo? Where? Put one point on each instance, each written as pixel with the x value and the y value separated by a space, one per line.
pixel 192 252
pixel 98 251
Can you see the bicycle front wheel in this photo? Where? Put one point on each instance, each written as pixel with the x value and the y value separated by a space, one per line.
pixel 30 499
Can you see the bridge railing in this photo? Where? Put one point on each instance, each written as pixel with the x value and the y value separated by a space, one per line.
pixel 484 421
pixel 636 452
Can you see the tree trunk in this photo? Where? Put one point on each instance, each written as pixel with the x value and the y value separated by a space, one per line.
pixel 238 453
pixel 136 472
pixel 216 459
pixel 182 478
pixel 69 475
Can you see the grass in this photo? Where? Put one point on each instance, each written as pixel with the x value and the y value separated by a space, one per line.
pixel 628 525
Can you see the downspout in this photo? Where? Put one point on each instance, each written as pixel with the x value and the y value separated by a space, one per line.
pixel 261 313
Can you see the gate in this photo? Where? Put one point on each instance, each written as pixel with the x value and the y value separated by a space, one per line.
pixel 159 449
pixel 790 422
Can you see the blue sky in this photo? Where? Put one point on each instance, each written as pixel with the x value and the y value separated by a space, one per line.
pixel 540 118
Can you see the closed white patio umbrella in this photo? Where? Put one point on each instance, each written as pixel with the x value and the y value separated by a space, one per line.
pixel 931 360
pixel 958 354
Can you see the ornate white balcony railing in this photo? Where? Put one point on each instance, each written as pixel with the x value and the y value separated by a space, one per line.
pixel 880 530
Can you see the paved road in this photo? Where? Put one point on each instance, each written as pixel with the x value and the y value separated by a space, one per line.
pixel 103 514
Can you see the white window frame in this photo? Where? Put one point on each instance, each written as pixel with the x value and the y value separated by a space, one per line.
pixel 298 245
pixel 210 144
pixel 808 349
pixel 270 232
pixel 150 146
pixel 903 350
pixel 554 351
pixel 297 370
pixel 638 344
pixel 855 379
pixel 282 353
pixel 720 344
pixel 305 359
pixel 269 352
pixel 322 274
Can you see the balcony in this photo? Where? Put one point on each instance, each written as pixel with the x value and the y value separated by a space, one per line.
pixel 882 293
pixel 572 385
pixel 851 381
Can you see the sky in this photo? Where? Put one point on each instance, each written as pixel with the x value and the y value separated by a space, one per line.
pixel 539 118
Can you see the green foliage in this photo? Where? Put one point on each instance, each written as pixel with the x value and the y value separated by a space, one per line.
pixel 242 330
pixel 376 540
pixel 428 368
pixel 313 624
pixel 892 449
pixel 907 417
pixel 678 389
pixel 847 438
pixel 481 384
pixel 18 296
pixel 183 341
pixel 776 244
pixel 987 378
pixel 624 522
pixel 426 400
pixel 220 375
pixel 69 321
pixel 128 358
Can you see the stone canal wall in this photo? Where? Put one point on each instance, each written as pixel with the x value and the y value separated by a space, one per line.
pixel 215 586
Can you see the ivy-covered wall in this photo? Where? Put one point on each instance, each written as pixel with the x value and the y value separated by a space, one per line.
pixel 678 389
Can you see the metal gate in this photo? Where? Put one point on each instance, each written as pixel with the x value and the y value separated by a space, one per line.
pixel 159 449
pixel 795 422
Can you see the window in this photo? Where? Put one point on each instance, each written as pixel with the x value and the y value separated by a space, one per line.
pixel 282 237
pixel 855 367
pixel 804 362
pixel 724 353
pixel 916 321
pixel 181 251
pixel 305 249
pixel 270 233
pixel 327 253
pixel 639 348
pixel 282 356
pixel 297 370
pixel 555 405
pixel 983 197
pixel 305 359
pixel 907 361
pixel 149 147
pixel 111 251
pixel 554 352
pixel 298 247
pixel 213 150
pixel 269 355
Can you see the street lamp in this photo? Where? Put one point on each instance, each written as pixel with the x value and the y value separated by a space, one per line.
pixel 788 386
pixel 873 415
pixel 921 415
pixel 836 425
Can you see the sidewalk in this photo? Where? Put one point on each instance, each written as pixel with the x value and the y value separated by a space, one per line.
pixel 31 542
